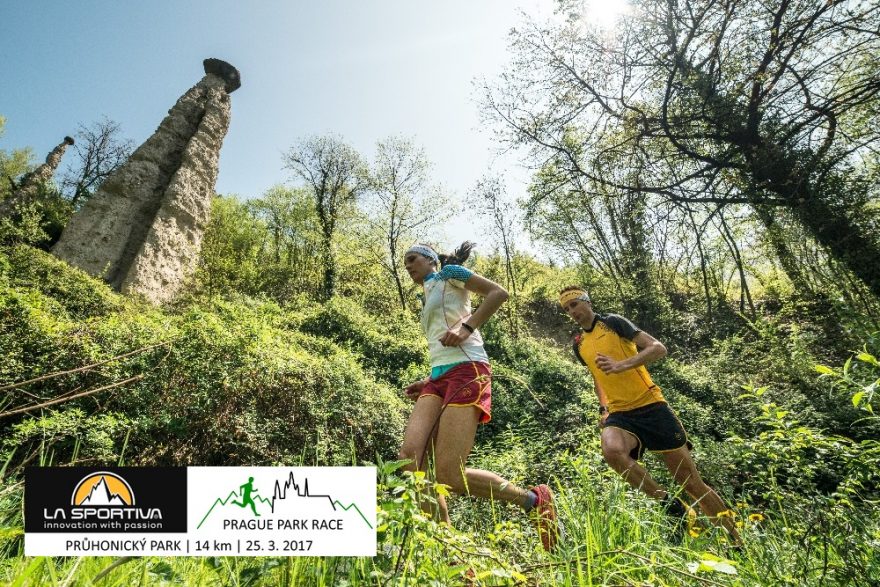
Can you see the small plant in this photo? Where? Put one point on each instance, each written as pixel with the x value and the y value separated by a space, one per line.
pixel 861 379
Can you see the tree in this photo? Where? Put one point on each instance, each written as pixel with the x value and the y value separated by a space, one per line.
pixel 615 232
pixel 13 164
pixel 722 103
pixel 229 257
pixel 99 150
pixel 31 209
pixel 263 246
pixel 502 215
pixel 403 203
pixel 335 175
pixel 288 259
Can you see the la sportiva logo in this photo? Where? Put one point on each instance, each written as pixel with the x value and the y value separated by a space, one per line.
pixel 104 497
pixel 102 489
pixel 71 499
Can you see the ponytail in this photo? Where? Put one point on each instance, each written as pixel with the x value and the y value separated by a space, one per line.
pixel 459 256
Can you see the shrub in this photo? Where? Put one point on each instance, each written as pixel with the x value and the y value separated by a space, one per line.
pixel 388 347
pixel 537 390
pixel 67 436
pixel 230 382
pixel 80 295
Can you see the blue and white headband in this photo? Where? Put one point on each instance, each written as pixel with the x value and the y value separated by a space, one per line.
pixel 424 251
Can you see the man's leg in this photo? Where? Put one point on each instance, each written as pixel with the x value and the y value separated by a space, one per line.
pixel 684 470
pixel 616 446
pixel 417 442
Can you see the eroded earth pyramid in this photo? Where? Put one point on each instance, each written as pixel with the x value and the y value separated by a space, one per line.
pixel 142 230
pixel 28 189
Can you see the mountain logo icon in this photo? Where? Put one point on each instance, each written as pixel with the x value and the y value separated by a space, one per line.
pixel 103 489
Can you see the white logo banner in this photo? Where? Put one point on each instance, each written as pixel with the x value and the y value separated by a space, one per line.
pixel 230 511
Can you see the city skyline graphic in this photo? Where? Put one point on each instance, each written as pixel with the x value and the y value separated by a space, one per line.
pixel 250 496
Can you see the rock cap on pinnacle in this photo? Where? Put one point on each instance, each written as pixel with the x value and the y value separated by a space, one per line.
pixel 224 70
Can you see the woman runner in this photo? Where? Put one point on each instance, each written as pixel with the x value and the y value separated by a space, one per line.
pixel 457 395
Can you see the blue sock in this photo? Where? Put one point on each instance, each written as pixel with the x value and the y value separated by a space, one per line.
pixel 531 500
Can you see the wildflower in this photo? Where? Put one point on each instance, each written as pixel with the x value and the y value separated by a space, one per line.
pixel 756 518
pixel 726 514
pixel 694 531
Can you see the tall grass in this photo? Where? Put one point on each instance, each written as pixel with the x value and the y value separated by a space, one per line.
pixel 612 537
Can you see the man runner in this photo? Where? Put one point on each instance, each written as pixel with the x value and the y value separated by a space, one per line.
pixel 246 499
pixel 634 415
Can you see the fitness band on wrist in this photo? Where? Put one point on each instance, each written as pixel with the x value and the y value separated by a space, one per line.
pixel 467 327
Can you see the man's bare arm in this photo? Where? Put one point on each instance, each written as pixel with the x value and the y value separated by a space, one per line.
pixel 650 350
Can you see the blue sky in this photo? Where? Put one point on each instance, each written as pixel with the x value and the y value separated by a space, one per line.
pixel 362 69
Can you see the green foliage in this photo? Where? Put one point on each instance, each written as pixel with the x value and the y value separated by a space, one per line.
pixel 268 247
pixel 823 487
pixel 536 391
pixel 220 383
pixel 236 388
pixel 390 347
pixel 42 302
pixel 269 375
pixel 80 296
pixel 335 176
pixel 777 352
pixel 37 222
pixel 264 246
pixel 228 259
pixel 612 537
pixel 787 454
pixel 67 436
pixel 13 164
pixel 859 378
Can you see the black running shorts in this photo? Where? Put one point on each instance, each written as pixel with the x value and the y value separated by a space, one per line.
pixel 655 426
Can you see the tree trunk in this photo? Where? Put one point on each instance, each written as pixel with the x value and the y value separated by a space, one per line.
pixel 645 298
pixel 844 239
pixel 787 259
pixel 329 285
pixel 744 293
pixel 399 285
pixel 827 207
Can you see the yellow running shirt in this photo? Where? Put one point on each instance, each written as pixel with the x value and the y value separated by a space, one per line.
pixel 612 335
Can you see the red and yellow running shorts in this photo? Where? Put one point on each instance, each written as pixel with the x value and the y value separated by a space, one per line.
pixel 467 384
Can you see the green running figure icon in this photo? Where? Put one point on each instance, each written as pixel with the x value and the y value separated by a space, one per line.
pixel 246 499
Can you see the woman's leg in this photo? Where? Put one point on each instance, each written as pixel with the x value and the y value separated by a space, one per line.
pixel 455 439
pixel 417 443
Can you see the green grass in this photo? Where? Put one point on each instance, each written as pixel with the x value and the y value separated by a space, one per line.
pixel 613 537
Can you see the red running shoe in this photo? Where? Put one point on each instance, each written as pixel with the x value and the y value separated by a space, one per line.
pixel 544 514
